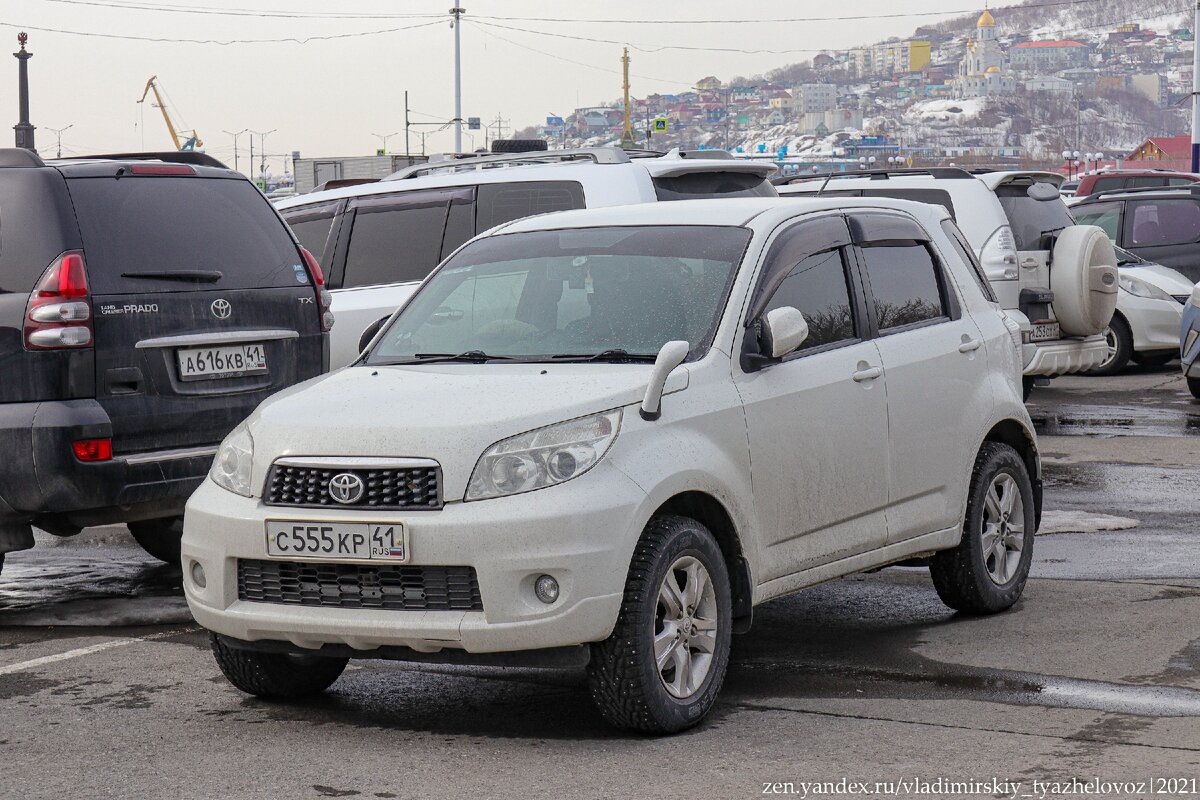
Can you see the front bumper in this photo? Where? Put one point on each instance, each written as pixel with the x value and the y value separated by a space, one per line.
pixel 581 532
pixel 1154 323
pixel 1189 341
pixel 42 481
pixel 1064 356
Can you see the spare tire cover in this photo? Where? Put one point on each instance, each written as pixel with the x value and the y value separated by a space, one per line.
pixel 1083 277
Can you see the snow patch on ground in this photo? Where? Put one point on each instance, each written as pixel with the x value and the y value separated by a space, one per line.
pixel 1083 522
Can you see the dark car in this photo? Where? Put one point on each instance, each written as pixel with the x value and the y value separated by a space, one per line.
pixel 1160 225
pixel 1111 181
pixel 148 303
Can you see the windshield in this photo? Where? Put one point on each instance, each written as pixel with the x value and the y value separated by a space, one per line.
pixel 616 293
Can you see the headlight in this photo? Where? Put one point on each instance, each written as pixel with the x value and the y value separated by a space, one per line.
pixel 231 467
pixel 1141 288
pixel 544 457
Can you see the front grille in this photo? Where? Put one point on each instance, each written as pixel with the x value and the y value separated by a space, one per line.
pixel 417 487
pixel 1182 298
pixel 359 586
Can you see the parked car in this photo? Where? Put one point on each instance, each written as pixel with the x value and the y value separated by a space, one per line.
pixel 1145 326
pixel 1115 180
pixel 377 241
pixel 1056 278
pixel 605 435
pixel 1160 225
pixel 147 304
pixel 1189 342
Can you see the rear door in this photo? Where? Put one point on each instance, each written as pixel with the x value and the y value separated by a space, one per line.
pixel 1165 231
pixel 202 305
pixel 1031 220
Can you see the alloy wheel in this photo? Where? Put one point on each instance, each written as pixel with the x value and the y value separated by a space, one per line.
pixel 685 627
pixel 1003 528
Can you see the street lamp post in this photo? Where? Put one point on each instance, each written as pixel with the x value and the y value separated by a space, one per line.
pixel 383 137
pixel 235 146
pixel 58 132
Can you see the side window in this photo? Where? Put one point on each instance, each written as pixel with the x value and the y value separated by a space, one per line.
pixel 1105 215
pixel 395 244
pixel 904 283
pixel 960 245
pixel 937 197
pixel 460 225
pixel 1180 182
pixel 498 203
pixel 1106 184
pixel 1164 222
pixel 311 225
pixel 1143 181
pixel 817 287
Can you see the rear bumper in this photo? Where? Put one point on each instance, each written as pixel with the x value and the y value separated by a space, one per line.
pixel 40 478
pixel 1064 356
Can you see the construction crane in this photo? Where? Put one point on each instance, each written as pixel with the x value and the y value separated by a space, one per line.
pixel 191 142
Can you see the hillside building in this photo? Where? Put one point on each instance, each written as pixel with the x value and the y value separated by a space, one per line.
pixel 1048 55
pixel 812 98
pixel 981 72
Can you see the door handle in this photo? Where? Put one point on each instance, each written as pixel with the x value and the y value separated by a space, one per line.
pixel 867 374
pixel 969 345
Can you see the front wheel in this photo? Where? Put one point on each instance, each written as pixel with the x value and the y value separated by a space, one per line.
pixel 159 537
pixel 276 676
pixel 987 571
pixel 1119 339
pixel 661 669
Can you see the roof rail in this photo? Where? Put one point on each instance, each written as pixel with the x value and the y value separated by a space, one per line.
pixel 597 155
pixel 19 157
pixel 953 173
pixel 1193 189
pixel 173 156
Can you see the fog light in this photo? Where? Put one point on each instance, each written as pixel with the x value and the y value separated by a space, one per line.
pixel 199 579
pixel 546 589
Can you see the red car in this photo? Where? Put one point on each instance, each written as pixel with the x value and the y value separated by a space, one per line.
pixel 1131 179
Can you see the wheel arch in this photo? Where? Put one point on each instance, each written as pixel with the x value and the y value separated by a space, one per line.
pixel 711 512
pixel 1020 438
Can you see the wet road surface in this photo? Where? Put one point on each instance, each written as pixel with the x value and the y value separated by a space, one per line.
pixel 107 690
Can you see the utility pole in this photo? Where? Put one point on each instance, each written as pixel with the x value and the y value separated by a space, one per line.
pixel 456 22
pixel 408 147
pixel 235 147
pixel 383 137
pixel 262 147
pixel 1196 91
pixel 627 133
pixel 23 128
pixel 498 125
pixel 58 132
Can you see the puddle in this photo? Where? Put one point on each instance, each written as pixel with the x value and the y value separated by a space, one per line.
pixel 1109 421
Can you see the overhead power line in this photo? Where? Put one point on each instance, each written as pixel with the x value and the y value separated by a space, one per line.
pixel 222 42
pixel 236 12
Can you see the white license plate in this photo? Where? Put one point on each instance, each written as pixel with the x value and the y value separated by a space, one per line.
pixel 203 363
pixel 1045 331
pixel 358 541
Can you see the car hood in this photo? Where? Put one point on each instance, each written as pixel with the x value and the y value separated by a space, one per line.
pixel 1165 278
pixel 448 412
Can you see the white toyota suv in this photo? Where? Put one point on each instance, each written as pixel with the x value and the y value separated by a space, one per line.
pixel 377 241
pixel 1058 280
pixel 602 437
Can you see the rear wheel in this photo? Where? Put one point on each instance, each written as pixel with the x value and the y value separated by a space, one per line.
pixel 661 669
pixel 1194 387
pixel 1 562
pixel 276 676
pixel 986 573
pixel 1155 359
pixel 1026 388
pixel 159 537
pixel 1120 348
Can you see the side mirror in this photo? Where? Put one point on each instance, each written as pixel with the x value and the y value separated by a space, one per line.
pixel 369 334
pixel 783 330
pixel 670 356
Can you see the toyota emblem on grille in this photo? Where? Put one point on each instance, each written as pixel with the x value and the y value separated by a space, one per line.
pixel 346 488
pixel 221 308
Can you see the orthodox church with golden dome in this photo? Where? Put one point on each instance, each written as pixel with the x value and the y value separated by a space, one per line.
pixel 982 73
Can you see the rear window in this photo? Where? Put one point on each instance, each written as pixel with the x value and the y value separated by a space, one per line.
pixel 1107 184
pixel 698 185
pixel 179 225
pixel 498 203
pixel 1031 219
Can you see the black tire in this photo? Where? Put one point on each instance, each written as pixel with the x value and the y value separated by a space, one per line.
pixel 1 562
pixel 1156 359
pixel 626 684
pixel 159 537
pixel 1026 389
pixel 519 145
pixel 276 676
pixel 1120 342
pixel 1194 387
pixel 962 575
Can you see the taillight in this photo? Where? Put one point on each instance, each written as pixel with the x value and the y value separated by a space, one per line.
pixel 999 255
pixel 161 169
pixel 59 312
pixel 324 299
pixel 92 449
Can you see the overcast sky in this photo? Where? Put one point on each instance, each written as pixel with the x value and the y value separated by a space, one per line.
pixel 327 97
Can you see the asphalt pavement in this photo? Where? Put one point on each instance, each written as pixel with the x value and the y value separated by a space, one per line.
pixel 107 689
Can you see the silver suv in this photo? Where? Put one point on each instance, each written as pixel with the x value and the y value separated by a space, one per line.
pixel 1058 280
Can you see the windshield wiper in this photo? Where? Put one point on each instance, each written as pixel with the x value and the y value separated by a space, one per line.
pixel 615 355
pixel 196 275
pixel 473 356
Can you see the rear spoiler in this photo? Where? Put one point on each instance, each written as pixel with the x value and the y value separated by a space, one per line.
pixel 172 157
